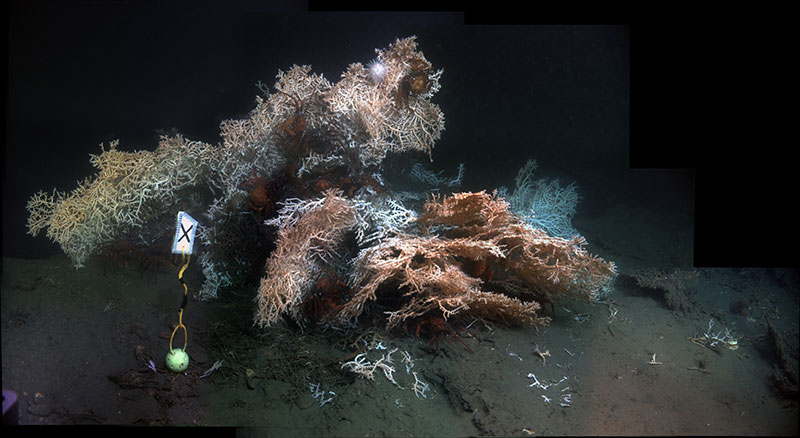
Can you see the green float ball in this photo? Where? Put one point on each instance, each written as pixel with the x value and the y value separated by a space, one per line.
pixel 177 360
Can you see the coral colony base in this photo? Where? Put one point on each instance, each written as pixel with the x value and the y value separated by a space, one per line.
pixel 307 164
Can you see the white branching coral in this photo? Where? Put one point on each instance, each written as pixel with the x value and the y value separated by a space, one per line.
pixel 380 217
pixel 544 203
pixel 435 179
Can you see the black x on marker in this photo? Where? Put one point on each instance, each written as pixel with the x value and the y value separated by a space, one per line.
pixel 185 233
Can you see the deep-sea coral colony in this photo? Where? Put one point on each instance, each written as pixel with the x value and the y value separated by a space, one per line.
pixel 314 140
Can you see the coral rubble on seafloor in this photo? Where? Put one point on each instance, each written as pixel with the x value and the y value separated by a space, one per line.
pixel 307 163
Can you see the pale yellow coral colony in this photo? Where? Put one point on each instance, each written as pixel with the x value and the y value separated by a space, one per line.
pixel 129 189
pixel 429 260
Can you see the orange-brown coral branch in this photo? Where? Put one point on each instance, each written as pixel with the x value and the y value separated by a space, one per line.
pixel 531 266
pixel 303 245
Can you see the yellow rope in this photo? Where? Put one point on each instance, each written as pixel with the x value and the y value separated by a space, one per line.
pixel 186 259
